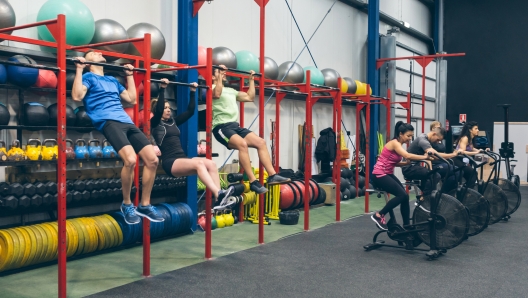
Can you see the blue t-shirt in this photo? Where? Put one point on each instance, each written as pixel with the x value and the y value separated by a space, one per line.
pixel 102 101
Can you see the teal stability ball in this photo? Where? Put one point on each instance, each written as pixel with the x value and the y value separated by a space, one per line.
pixel 247 61
pixel 80 24
pixel 316 76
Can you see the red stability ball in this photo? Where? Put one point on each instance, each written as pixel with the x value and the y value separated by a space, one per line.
pixel 46 79
pixel 130 112
pixel 287 197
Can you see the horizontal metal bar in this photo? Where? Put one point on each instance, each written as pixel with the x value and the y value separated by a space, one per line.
pixel 420 57
pixel 408 48
pixel 108 65
pixel 29 65
pixel 106 43
pixel 324 87
pixel 181 84
pixel 414 73
pixel 415 96
pixel 28 25
pixel 178 68
pixel 285 91
pixel 236 70
pixel 28 40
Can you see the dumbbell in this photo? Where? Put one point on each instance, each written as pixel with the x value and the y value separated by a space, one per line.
pixel 78 185
pixel 51 187
pixel 4 189
pixel 9 202
pixel 29 189
pixel 116 183
pixel 103 193
pixel 41 188
pixel 101 184
pixel 117 192
pixel 95 195
pixel 76 196
pixel 16 189
pixel 24 201
pixel 89 185
pixel 36 200
pixel 86 195
pixel 47 199
pixel 69 197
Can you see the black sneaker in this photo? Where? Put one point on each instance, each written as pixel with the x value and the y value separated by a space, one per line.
pixel 277 179
pixel 257 187
pixel 380 221
pixel 149 212
pixel 130 215
pixel 223 195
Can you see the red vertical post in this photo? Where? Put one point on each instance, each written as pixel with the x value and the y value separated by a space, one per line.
pixel 389 116
pixel 337 162
pixel 146 130
pixel 359 106
pixel 409 109
pixel 136 121
pixel 424 65
pixel 307 153
pixel 278 99
pixel 61 159
pixel 367 150
pixel 209 150
pixel 262 4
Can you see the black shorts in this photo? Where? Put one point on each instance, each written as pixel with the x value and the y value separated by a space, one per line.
pixel 123 134
pixel 224 132
pixel 166 163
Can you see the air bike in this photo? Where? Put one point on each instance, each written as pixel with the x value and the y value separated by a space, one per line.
pixel 441 222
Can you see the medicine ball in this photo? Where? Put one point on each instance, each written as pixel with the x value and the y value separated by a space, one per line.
pixel 22 76
pixel 3 74
pixel 46 79
pixel 82 118
pixel 70 77
pixel 35 114
pixel 71 118
pixel 4 115
pixel 352 190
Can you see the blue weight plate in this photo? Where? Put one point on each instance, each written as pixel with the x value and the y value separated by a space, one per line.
pixel 167 224
pixel 191 216
pixel 125 228
pixel 185 226
pixel 183 218
pixel 175 218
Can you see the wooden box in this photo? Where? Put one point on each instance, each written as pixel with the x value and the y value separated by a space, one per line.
pixel 330 189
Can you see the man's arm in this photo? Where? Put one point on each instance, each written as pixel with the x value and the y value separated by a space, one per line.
pixel 250 95
pixel 219 79
pixel 78 89
pixel 129 95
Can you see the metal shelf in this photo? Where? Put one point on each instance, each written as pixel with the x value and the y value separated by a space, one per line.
pixel 33 128
pixel 47 162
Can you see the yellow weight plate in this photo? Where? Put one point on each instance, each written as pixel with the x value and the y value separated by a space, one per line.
pixel 35 245
pixel 52 243
pixel 55 236
pixel 18 248
pixel 109 240
pixel 32 245
pixel 113 231
pixel 27 241
pixel 74 236
pixel 117 229
pixel 110 231
pixel 88 233
pixel 83 237
pixel 103 238
pixel 55 226
pixel 6 250
pixel 92 232
pixel 45 243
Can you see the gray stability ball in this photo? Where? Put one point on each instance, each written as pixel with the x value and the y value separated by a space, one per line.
pixel 224 56
pixel 330 77
pixel 271 68
pixel 7 16
pixel 352 87
pixel 157 39
pixel 110 30
pixel 294 75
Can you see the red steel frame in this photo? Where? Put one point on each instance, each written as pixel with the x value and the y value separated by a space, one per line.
pixel 424 62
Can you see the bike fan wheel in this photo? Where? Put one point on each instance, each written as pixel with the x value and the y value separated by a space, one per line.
pixel 453 222
pixel 513 194
pixel 479 210
pixel 498 202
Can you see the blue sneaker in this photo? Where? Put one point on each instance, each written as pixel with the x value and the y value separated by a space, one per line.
pixel 129 212
pixel 149 212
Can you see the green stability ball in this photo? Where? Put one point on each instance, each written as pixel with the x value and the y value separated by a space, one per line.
pixel 80 24
pixel 247 61
pixel 316 76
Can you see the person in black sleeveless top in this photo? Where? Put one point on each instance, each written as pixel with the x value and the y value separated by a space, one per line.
pixel 175 162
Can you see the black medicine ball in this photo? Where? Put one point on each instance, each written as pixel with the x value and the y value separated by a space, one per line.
pixel 71 118
pixel 35 114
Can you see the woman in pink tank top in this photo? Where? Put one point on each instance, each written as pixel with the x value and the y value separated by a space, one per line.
pixel 383 174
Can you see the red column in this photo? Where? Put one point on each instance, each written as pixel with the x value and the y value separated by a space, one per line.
pixel 367 150
pixel 146 130
pixel 208 152
pixel 337 162
pixel 307 154
pixel 262 5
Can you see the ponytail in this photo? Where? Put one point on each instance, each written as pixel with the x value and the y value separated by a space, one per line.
pixel 402 128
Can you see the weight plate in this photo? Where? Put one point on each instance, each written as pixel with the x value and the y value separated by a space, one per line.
pixel 109 231
pixel 110 225
pixel 175 218
pixel 82 236
pixel 190 216
pixel 33 245
pixel 6 250
pixel 104 239
pixel 49 246
pixel 186 215
pixel 74 236
pixel 117 229
pixel 167 224
pixel 126 230
pixel 54 236
pixel 68 241
pixel 98 239
pixel 182 219
pixel 44 244
pixel 108 240
pixel 18 248
pixel 88 240
pixel 28 243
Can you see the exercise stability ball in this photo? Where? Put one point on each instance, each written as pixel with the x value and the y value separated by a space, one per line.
pixel 157 40
pixel 352 87
pixel 316 76
pixel 224 56
pixel 7 16
pixel 80 24
pixel 247 61
pixel 3 74
pixel 330 77
pixel 291 72
pixel 110 30
pixel 271 69
pixel 22 76
pixel 202 55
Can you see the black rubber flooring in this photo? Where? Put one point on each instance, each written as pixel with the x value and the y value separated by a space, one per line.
pixel 331 262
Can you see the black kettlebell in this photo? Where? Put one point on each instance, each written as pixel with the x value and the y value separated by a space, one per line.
pixel 71 118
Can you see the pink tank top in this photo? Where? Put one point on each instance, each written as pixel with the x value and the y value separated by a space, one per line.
pixel 386 162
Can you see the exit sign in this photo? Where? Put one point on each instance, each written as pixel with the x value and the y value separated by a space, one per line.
pixel 462 118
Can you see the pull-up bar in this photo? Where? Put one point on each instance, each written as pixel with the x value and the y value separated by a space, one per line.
pixel 236 70
pixel 180 84
pixel 120 67
pixel 29 65
pixel 429 58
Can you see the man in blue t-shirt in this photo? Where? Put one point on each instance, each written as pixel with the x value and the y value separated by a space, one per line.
pixel 102 97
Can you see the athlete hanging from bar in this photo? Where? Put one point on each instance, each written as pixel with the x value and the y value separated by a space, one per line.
pixel 102 97
pixel 228 132
pixel 173 159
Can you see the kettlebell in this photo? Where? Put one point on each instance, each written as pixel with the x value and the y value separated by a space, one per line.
pixel 220 219
pixel 108 150
pixel 33 149
pixel 16 153
pixel 95 150
pixel 214 223
pixel 3 151
pixel 81 152
pixel 70 154
pixel 229 219
pixel 50 152
pixel 201 220
pixel 201 147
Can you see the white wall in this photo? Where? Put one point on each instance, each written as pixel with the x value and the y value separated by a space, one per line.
pixel 517 136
